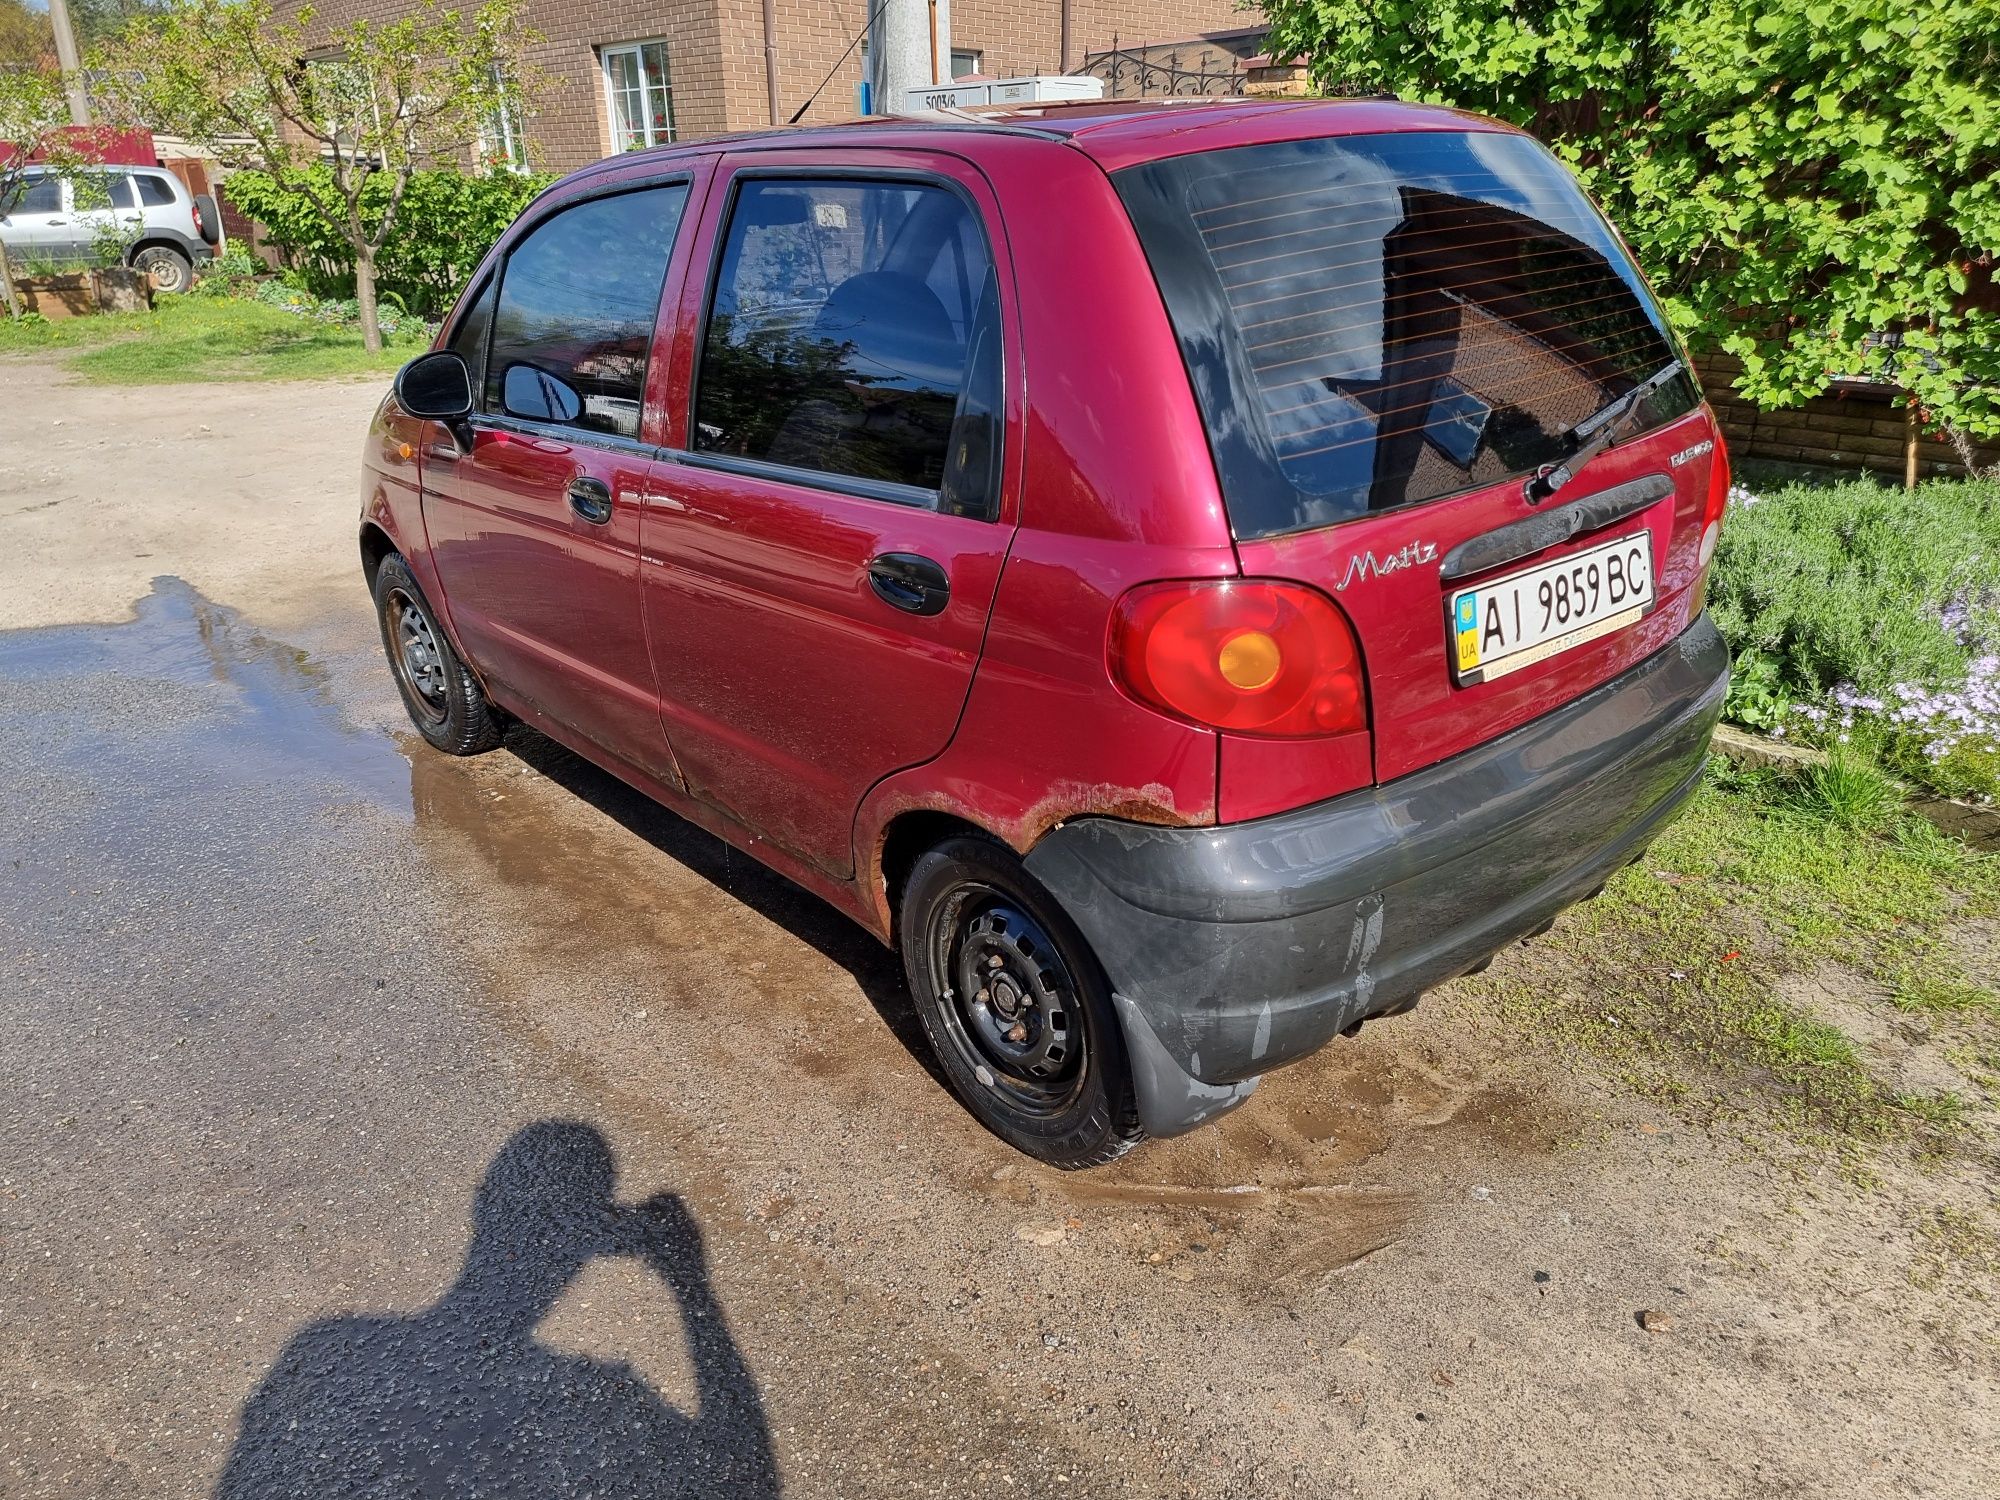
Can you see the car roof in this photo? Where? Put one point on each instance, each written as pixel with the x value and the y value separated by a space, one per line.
pixel 1115 132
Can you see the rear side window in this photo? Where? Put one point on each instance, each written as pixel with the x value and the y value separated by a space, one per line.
pixel 154 192
pixel 578 299
pixel 93 192
pixel 854 331
pixel 1377 321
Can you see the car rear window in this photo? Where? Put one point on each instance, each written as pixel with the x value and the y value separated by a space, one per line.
pixel 1382 320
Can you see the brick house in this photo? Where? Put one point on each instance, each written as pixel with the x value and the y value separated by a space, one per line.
pixel 636 72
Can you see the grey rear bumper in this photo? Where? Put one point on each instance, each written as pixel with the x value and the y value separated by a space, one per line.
pixel 1236 949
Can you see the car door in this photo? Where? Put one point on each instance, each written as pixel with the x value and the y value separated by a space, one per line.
pixel 102 212
pixel 822 550
pixel 38 225
pixel 534 523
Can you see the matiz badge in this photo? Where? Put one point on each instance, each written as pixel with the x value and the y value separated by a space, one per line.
pixel 1368 565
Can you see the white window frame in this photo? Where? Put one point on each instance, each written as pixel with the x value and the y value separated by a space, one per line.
pixel 977 55
pixel 503 139
pixel 637 50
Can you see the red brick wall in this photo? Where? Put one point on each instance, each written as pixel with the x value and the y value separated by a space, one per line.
pixel 1846 428
pixel 717 50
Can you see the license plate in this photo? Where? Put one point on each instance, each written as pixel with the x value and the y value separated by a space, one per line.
pixel 1526 617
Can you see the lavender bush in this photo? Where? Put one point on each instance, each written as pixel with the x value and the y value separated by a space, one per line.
pixel 1870 616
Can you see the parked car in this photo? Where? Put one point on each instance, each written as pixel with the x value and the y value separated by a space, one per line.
pixel 61 221
pixel 1193 576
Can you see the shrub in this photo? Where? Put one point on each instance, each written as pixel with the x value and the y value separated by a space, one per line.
pixel 1859 610
pixel 1813 186
pixel 447 221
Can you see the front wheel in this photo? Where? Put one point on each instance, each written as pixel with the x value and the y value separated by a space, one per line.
pixel 444 699
pixel 1016 1007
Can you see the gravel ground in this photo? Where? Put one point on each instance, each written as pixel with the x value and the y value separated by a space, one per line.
pixel 375 1123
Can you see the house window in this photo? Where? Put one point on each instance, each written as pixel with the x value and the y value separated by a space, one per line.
pixel 501 143
pixel 641 93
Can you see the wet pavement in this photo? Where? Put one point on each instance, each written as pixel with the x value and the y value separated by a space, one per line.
pixel 373 1123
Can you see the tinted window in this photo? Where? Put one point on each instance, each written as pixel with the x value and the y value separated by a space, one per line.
pixel 844 318
pixel 1375 321
pixel 154 192
pixel 578 298
pixel 43 195
pixel 95 191
pixel 468 339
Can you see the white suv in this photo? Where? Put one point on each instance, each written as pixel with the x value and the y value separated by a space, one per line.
pixel 60 221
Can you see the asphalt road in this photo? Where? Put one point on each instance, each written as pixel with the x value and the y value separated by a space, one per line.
pixel 373 1123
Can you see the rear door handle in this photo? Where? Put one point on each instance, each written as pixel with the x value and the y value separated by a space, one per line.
pixel 591 499
pixel 911 582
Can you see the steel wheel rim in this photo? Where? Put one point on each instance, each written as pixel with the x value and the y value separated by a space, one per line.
pixel 417 653
pixel 163 271
pixel 1010 1007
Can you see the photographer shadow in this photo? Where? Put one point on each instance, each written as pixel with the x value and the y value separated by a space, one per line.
pixel 463 1399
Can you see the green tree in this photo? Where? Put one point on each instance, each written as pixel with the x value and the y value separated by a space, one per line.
pixel 370 104
pixel 449 220
pixel 1814 185
pixel 25 37
pixel 34 116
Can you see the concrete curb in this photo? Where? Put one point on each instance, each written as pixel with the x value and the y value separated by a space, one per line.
pixel 1977 825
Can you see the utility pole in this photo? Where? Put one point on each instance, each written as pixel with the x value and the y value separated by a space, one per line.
pixel 66 58
pixel 909 47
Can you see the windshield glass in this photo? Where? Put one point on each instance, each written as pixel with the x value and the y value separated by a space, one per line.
pixel 1377 321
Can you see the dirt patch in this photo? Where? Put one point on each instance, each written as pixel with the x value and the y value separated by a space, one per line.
pixel 1906 1051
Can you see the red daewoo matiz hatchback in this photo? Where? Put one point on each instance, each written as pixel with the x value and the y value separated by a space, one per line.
pixel 1193 576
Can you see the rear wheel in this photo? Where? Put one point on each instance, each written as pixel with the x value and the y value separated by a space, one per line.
pixel 166 268
pixel 444 699
pixel 1016 1007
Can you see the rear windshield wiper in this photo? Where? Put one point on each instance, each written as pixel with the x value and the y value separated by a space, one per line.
pixel 1594 434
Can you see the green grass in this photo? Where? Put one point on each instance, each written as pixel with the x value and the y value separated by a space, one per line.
pixel 200 339
pixel 1676 977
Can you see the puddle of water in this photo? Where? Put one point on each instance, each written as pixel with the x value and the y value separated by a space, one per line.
pixel 189 688
pixel 188 697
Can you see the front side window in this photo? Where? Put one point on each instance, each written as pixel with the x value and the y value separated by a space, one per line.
pixel 468 339
pixel 43 195
pixel 1375 321
pixel 641 91
pixel 854 331
pixel 577 303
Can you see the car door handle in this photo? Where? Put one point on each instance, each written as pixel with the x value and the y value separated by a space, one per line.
pixel 591 499
pixel 910 582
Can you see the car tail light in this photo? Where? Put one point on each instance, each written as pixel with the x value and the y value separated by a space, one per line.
pixel 1718 498
pixel 1249 655
pixel 200 225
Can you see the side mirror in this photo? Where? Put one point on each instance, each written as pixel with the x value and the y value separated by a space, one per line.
pixel 435 386
pixel 535 394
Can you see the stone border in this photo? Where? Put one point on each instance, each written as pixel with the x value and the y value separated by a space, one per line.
pixel 1977 825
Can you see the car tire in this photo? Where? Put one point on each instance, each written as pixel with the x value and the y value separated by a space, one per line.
pixel 444 699
pixel 165 267
pixel 1016 1006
